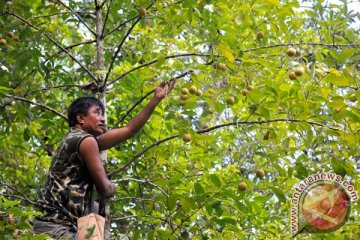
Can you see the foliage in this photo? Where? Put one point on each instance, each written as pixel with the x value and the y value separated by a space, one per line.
pixel 169 188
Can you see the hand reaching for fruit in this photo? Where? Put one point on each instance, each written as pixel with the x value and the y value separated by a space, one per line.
pixel 164 89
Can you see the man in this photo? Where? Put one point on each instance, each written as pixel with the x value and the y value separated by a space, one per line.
pixel 77 166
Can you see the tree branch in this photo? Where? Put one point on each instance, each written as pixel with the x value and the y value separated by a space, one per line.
pixel 54 42
pixel 143 181
pixel 237 123
pixel 155 61
pixel 78 16
pixel 144 97
pixel 328 45
pixel 119 26
pixel 37 104
pixel 118 50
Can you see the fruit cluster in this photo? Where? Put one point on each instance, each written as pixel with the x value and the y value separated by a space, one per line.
pixel 11 35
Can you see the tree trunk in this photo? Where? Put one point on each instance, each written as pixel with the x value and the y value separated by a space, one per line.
pixel 104 208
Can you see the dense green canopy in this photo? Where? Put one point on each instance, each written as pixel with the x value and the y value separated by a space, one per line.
pixel 258 107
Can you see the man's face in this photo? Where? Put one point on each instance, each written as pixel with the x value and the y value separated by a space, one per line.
pixel 93 122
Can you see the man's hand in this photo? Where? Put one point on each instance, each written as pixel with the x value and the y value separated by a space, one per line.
pixel 164 89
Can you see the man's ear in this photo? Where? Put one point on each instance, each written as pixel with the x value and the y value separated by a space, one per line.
pixel 80 118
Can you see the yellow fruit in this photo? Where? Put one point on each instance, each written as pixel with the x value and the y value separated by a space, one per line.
pixel 230 100
pixel 184 97
pixel 2 41
pixel 150 30
pixel 291 52
pixel 260 173
pixel 210 111
pixel 198 93
pixel 292 75
pixel 187 137
pixel 299 71
pixel 184 91
pixel 266 135
pixel 10 34
pixel 220 66
pixel 260 35
pixel 244 91
pixel 193 89
pixel 142 11
pixel 242 186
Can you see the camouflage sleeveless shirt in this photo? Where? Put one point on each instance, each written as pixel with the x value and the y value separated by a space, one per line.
pixel 68 187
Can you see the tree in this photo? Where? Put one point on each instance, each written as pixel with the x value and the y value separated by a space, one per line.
pixel 237 50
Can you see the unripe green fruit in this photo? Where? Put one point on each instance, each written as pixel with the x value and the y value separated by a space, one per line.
pixel 299 71
pixel 244 91
pixel 260 35
pixel 242 186
pixel 230 100
pixel 184 91
pixel 198 93
pixel 260 173
pixel 193 89
pixel 184 97
pixel 187 137
pixel 142 11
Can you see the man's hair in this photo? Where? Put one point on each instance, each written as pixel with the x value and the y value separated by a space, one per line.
pixel 82 105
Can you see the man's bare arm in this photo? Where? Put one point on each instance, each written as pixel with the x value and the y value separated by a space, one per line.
pixel 115 136
pixel 89 152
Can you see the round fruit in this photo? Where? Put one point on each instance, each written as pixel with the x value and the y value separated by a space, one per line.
pixel 244 91
pixel 291 52
pixel 142 11
pixel 198 93
pixel 260 173
pixel 150 30
pixel 210 111
pixel 292 75
pixel 352 182
pixel 242 186
pixel 299 71
pixel 184 91
pixel 230 100
pixel 220 66
pixel 260 34
pixel 16 38
pixel 193 89
pixel 187 137
pixel 250 87
pixel 184 97
pixel 10 34
pixel 2 41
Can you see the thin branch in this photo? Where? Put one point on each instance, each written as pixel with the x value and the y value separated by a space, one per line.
pixel 119 26
pixel 24 197
pixel 143 181
pixel 144 97
pixel 155 61
pixel 121 43
pixel 78 16
pixel 37 104
pixel 237 123
pixel 54 42
pixel 354 45
pixel 60 13
pixel 106 18
pixel 118 50
pixel 123 218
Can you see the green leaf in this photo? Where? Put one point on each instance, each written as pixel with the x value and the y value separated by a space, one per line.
pixel 172 201
pixel 337 167
pixel 199 190
pixel 215 180
pixel 226 52
pixel 338 80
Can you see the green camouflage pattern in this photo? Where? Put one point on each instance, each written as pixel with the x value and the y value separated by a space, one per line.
pixel 68 187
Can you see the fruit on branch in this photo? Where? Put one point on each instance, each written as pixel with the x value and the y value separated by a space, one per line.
pixel 10 35
pixel 184 91
pixel 249 87
pixel 210 110
pixel 16 38
pixel 142 11
pixel 230 100
pixel 2 41
pixel 244 91
pixel 220 66
pixel 150 30
pixel 198 93
pixel 260 173
pixel 292 75
pixel 266 135
pixel 291 52
pixel 260 35
pixel 352 182
pixel 184 97
pixel 187 137
pixel 299 71
pixel 193 89
pixel 242 186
